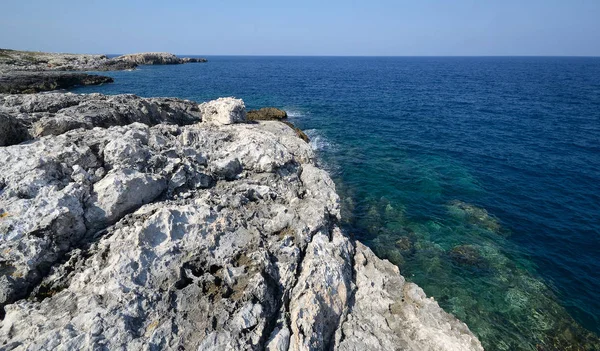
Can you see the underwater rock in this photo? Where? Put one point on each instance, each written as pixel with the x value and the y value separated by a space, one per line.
pixel 475 215
pixel 405 244
pixel 467 255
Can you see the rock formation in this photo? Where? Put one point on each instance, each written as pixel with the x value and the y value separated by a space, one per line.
pixel 32 72
pixel 34 82
pixel 193 60
pixel 14 60
pixel 275 114
pixel 137 223
pixel 267 114
pixel 157 58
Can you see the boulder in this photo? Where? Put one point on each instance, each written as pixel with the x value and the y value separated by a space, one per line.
pixel 223 111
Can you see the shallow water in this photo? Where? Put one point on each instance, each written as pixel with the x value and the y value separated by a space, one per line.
pixel 478 177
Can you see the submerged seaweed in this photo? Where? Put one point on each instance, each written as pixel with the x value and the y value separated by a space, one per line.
pixel 464 261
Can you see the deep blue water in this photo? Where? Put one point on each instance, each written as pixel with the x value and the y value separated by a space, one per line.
pixel 479 177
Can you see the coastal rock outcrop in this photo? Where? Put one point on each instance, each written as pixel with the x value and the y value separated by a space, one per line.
pixel 34 82
pixel 157 58
pixel 57 113
pixel 166 230
pixel 14 60
pixel 193 60
pixel 267 114
pixel 275 114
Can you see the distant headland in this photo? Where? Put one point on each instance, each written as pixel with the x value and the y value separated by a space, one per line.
pixel 32 71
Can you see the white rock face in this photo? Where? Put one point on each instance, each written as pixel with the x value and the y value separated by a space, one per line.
pixel 197 236
pixel 223 111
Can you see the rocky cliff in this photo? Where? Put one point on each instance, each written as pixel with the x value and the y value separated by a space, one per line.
pixel 130 223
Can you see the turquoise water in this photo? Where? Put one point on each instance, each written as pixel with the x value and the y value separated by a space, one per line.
pixel 478 177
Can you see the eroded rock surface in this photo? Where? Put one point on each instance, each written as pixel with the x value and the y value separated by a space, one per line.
pixel 39 115
pixel 196 236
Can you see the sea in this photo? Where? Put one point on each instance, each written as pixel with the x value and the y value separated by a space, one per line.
pixel 478 176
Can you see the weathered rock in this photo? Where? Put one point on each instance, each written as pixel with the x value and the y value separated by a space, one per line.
pixel 275 114
pixel 390 314
pixel 297 130
pixel 57 113
pixel 120 192
pixel 266 114
pixel 11 130
pixel 198 236
pixel 34 82
pixel 223 111
pixel 114 64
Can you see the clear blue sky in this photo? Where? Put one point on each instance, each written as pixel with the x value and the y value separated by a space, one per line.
pixel 308 27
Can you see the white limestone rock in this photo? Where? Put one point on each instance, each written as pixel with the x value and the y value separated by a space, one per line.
pixel 119 192
pixel 190 236
pixel 223 111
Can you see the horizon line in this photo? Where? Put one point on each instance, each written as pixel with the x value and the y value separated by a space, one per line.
pixel 288 55
pixel 307 55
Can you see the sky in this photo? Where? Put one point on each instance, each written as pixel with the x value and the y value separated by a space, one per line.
pixel 308 27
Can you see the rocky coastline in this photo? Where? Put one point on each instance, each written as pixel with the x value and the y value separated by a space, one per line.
pixel 162 223
pixel 32 72
pixel 25 82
